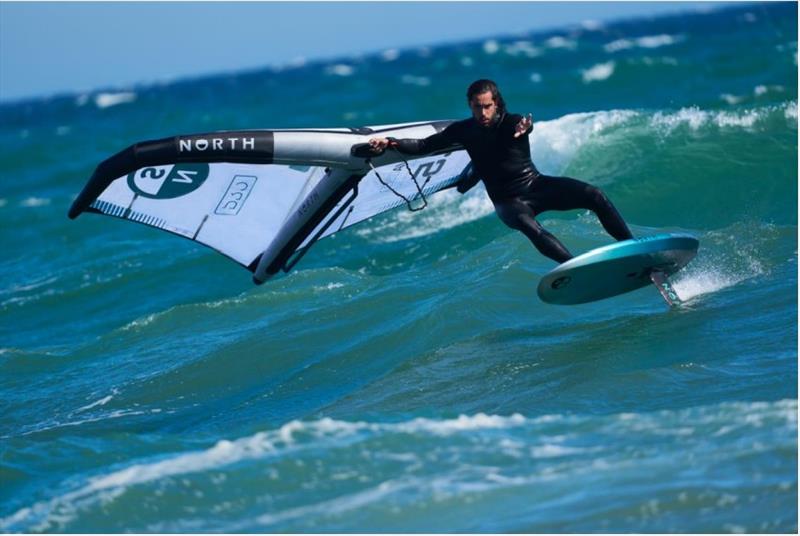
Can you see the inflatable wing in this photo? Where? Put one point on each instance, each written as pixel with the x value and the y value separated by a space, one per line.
pixel 263 197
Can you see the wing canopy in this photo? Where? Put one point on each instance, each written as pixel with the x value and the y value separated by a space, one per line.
pixel 262 196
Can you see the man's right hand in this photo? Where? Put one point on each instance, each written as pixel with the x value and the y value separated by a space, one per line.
pixel 379 145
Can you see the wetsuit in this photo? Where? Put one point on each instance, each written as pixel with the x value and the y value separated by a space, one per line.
pixel 517 189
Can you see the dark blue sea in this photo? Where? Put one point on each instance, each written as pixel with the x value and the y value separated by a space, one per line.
pixel 405 377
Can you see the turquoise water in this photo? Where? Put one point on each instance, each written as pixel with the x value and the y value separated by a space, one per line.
pixel 406 377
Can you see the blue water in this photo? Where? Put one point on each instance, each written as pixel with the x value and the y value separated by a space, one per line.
pixel 405 377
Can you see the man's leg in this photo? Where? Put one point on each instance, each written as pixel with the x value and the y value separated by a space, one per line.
pixel 564 193
pixel 518 215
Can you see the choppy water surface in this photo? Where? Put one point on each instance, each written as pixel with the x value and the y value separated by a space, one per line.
pixel 406 377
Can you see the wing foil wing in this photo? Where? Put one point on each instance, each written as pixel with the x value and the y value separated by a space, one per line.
pixel 260 196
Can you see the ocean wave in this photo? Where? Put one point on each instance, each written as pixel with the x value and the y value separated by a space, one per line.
pixel 390 54
pixel 523 440
pixel 421 81
pixel 340 69
pixel 34 284
pixel 648 41
pixel 696 118
pixel 491 46
pixel 599 72
pixel 35 202
pixel 554 143
pixel 522 48
pixel 561 42
pixel 107 100
pixel 445 211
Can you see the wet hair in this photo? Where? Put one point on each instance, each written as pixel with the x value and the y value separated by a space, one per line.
pixel 482 86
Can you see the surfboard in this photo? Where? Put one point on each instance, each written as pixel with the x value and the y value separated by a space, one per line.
pixel 619 268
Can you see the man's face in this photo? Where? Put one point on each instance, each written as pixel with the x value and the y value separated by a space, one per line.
pixel 483 108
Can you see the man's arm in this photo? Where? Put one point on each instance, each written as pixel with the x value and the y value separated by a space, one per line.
pixel 468 179
pixel 411 146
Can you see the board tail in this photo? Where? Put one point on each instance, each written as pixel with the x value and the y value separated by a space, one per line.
pixel 663 285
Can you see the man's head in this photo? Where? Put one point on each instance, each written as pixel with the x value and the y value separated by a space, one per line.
pixel 485 101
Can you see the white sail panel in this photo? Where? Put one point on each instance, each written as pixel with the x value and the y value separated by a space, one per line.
pixel 234 208
pixel 432 173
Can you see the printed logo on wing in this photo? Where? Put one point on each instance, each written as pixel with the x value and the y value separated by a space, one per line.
pixel 168 182
pixel 237 193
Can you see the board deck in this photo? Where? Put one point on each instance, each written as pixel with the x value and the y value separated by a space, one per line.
pixel 619 268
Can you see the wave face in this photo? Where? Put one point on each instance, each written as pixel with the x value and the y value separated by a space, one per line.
pixel 406 378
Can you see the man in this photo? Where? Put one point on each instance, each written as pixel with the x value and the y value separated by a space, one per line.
pixel 497 143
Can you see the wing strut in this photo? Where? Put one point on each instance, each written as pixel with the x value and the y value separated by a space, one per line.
pixel 299 254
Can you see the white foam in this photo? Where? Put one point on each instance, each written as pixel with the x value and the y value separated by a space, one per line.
pixel 619 44
pixel 33 202
pixel 329 286
pixel 141 322
pixel 491 46
pixel 695 118
pixel 648 41
pixel 222 454
pixel 592 25
pixel 524 48
pixel 731 99
pixel 340 69
pixel 102 402
pixel 761 90
pixel 656 41
pixel 791 110
pixel 339 505
pixel 422 81
pixel 728 119
pixel 559 41
pixel 107 100
pixel 462 423
pixel 599 72
pixel 116 414
pixel 554 451
pixel 714 273
pixel 703 283
pixel 390 54
pixel 29 285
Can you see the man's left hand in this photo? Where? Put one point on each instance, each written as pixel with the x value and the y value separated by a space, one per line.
pixel 522 127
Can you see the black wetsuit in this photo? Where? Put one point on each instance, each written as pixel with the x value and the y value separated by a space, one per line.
pixel 517 189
